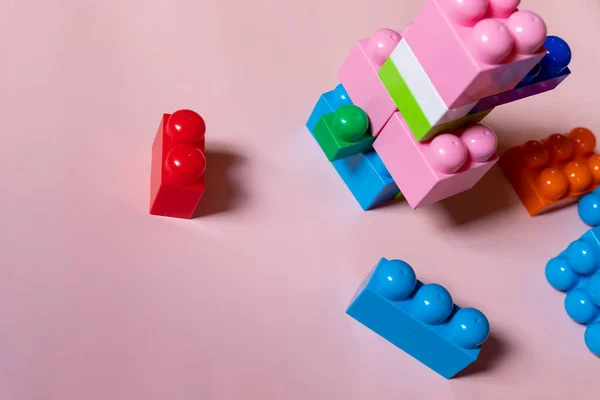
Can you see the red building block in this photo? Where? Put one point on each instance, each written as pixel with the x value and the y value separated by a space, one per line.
pixel 554 172
pixel 178 165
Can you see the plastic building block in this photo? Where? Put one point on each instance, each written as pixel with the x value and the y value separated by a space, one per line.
pixel 367 178
pixel 344 132
pixel 546 76
pixel 178 165
pixel 359 76
pixel 431 171
pixel 554 172
pixel 589 208
pixel 364 174
pixel 328 102
pixel 472 49
pixel 458 123
pixel 421 319
pixel 575 271
pixel 414 94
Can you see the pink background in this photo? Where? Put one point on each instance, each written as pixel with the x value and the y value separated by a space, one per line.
pixel 99 300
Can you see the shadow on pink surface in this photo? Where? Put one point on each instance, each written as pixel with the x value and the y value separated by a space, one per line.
pixel 223 193
pixel 493 352
pixel 489 196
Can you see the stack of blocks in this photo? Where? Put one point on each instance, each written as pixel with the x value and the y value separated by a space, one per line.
pixel 404 121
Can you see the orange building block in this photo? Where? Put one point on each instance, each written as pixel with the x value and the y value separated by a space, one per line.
pixel 553 172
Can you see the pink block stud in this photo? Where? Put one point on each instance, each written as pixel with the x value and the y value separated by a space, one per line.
pixel 471 49
pixel 432 171
pixel 359 76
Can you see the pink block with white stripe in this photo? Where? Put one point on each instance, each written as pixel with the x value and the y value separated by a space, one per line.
pixel 473 49
pixel 431 171
pixel 359 76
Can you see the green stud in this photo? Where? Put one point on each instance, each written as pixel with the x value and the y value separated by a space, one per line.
pixel 350 123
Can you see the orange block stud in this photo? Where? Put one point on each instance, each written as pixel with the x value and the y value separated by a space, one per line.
pixel 554 172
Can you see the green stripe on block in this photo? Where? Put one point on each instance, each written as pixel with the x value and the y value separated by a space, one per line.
pixel 404 100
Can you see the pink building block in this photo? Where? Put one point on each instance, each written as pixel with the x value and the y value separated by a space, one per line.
pixel 431 171
pixel 473 49
pixel 359 76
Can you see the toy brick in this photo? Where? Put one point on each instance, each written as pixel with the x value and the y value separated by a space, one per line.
pixel 178 163
pixel 521 92
pixel 364 174
pixel 414 94
pixel 334 145
pixel 328 102
pixel 359 76
pixel 576 272
pixel 367 178
pixel 546 76
pixel 468 119
pixel 475 49
pixel 554 172
pixel 420 319
pixel 588 208
pixel 427 172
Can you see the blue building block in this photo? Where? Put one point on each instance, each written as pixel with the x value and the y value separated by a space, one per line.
pixel 589 208
pixel 420 319
pixel 554 64
pixel 550 72
pixel 328 103
pixel 367 178
pixel 576 272
pixel 364 174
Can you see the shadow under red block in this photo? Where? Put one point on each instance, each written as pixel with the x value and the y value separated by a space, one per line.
pixel 223 193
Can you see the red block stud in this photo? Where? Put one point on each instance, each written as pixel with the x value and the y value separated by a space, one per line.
pixel 178 165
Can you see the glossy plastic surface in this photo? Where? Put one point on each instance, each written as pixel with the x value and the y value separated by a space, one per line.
pixel 472 49
pixel 350 123
pixel 554 172
pixel 364 174
pixel 368 179
pixel 415 95
pixel 421 319
pixel 427 172
pixel 358 74
pixel 589 208
pixel 178 165
pixel 546 76
pixel 328 102
pixel 344 132
pixel 576 272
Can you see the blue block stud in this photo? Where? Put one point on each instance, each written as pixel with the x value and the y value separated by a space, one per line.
pixel 576 272
pixel 589 208
pixel 420 319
